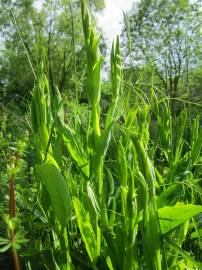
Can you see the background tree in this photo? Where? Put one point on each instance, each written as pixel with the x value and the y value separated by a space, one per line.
pixel 166 35
pixel 52 34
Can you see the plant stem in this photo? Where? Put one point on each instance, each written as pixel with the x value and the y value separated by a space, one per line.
pixel 12 196
pixel 12 215
pixel 16 259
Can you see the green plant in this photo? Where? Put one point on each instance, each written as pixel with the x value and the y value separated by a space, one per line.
pixel 118 190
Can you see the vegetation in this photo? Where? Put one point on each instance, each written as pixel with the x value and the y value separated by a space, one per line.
pixel 97 175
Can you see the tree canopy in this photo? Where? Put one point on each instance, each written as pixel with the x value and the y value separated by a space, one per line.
pixel 29 35
pixel 166 35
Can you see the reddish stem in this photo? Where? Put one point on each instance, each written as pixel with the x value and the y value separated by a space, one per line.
pixel 12 197
pixel 16 259
pixel 12 215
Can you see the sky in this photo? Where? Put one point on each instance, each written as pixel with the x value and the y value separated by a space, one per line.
pixel 38 4
pixel 109 19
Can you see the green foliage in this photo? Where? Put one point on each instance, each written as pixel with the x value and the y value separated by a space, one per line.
pixel 58 191
pixel 114 186
pixel 173 216
pixel 161 41
pixel 86 229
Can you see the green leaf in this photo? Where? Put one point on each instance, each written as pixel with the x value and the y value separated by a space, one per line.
pixel 5 248
pixel 110 184
pixel 159 178
pixel 170 196
pixel 195 152
pixel 181 124
pixel 34 121
pixel 109 263
pixel 50 160
pixel 92 198
pixel 58 191
pixel 94 92
pixel 102 146
pixel 104 140
pixel 171 217
pixel 196 234
pixel 122 165
pixel 76 150
pixel 184 254
pixel 4 241
pixel 86 229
